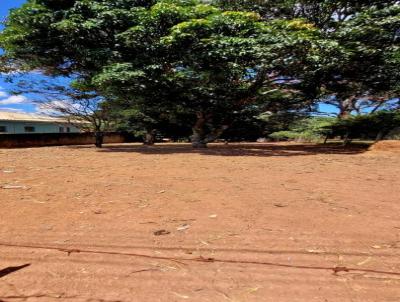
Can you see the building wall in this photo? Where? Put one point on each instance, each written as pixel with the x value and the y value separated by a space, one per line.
pixel 39 127
pixel 57 139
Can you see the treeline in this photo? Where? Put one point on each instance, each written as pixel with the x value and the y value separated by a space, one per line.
pixel 208 69
pixel 373 126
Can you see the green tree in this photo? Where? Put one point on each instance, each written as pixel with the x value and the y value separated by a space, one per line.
pixel 228 61
pixel 372 126
pixel 367 36
pixel 92 35
pixel 369 75
pixel 174 56
pixel 326 14
pixel 310 129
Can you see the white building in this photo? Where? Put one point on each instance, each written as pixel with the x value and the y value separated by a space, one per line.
pixel 23 123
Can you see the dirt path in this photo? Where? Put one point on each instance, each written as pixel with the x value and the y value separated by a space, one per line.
pixel 234 223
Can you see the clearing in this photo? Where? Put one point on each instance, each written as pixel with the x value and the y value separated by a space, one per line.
pixel 243 222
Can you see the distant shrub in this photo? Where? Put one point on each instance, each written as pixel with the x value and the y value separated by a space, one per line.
pixel 283 135
pixel 379 125
pixel 313 129
pixel 295 136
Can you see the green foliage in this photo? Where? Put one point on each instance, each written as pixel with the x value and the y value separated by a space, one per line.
pixel 326 14
pixel 213 64
pixel 312 129
pixel 192 55
pixel 370 68
pixel 361 68
pixel 371 126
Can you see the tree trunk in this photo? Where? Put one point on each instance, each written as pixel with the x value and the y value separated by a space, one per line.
pixel 99 139
pixel 347 139
pixel 216 133
pixel 347 106
pixel 150 137
pixel 198 137
pixel 202 136
pixel 381 135
pixel 343 114
pixel 326 139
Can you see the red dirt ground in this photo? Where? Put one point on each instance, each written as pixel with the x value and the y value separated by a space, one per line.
pixel 245 222
pixel 389 145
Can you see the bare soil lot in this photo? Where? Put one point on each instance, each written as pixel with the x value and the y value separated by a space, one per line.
pixel 244 222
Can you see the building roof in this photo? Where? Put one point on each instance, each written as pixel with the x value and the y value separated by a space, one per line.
pixel 26 117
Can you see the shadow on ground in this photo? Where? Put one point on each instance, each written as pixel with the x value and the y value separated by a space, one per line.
pixel 9 270
pixel 241 149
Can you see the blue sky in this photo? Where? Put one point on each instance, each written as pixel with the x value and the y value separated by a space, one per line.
pixel 24 103
pixel 6 5
pixel 8 101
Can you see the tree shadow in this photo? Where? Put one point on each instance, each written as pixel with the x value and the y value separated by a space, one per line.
pixel 9 270
pixel 241 149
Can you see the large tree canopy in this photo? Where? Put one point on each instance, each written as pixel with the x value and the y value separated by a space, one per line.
pixel 326 14
pixel 212 61
pixel 214 64
pixel 169 55
pixel 368 34
pixel 370 72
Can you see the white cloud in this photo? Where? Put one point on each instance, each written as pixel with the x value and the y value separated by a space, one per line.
pixel 14 99
pixel 45 111
pixel 3 94
pixel 12 110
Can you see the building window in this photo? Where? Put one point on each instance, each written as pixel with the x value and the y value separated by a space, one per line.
pixel 3 129
pixel 68 129
pixel 61 129
pixel 29 129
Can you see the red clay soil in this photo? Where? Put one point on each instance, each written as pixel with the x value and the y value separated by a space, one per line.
pixel 261 222
pixel 389 145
